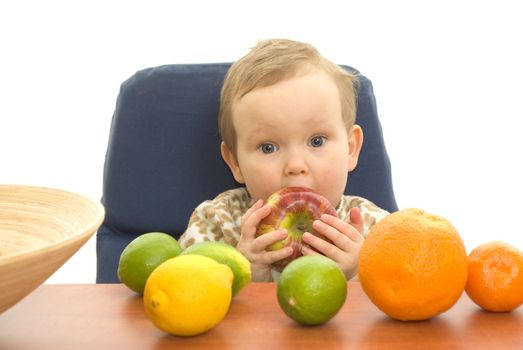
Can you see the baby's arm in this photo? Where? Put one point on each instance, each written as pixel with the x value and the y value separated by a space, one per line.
pixel 254 248
pixel 210 221
pixel 197 229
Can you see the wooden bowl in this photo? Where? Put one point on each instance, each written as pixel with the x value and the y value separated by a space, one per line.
pixel 40 229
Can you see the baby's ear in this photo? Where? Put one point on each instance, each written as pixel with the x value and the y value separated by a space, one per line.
pixel 229 158
pixel 355 143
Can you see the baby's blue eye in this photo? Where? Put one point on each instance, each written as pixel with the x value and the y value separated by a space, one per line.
pixel 268 148
pixel 317 141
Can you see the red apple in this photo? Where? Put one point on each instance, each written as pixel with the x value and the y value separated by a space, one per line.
pixel 293 209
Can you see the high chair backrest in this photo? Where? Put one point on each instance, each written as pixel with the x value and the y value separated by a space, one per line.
pixel 163 156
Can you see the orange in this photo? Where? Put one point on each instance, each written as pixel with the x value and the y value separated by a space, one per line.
pixel 413 265
pixel 311 289
pixel 495 280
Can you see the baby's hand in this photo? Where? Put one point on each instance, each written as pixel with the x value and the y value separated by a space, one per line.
pixel 254 248
pixel 346 240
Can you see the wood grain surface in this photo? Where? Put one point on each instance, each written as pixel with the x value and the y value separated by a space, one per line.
pixel 112 317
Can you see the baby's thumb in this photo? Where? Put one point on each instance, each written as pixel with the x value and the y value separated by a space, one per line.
pixel 356 219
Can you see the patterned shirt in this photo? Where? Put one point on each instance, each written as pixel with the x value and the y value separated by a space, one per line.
pixel 219 219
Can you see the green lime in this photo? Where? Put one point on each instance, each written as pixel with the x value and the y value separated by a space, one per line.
pixel 311 289
pixel 226 254
pixel 143 255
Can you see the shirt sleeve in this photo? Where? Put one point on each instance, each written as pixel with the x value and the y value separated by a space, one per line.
pixel 215 220
pixel 370 212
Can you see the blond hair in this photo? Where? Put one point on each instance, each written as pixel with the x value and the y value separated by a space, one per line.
pixel 270 62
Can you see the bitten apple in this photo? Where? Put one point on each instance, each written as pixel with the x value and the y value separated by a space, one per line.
pixel 293 209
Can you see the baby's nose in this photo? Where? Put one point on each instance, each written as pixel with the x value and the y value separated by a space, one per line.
pixel 296 165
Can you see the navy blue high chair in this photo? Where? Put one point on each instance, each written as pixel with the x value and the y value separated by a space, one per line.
pixel 163 156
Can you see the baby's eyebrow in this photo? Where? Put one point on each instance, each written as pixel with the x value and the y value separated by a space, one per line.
pixel 259 131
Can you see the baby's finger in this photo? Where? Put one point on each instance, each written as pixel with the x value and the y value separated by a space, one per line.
pixel 329 226
pixel 249 225
pixel 356 219
pixel 276 255
pixel 339 239
pixel 306 250
pixel 322 246
pixel 262 242
pixel 256 216
pixel 252 209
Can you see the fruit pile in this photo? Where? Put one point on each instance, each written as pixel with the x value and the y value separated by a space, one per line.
pixel 185 292
pixel 188 292
pixel 414 266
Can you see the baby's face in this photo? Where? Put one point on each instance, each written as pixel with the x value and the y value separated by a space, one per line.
pixel 292 134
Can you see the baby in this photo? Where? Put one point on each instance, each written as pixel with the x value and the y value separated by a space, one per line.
pixel 287 118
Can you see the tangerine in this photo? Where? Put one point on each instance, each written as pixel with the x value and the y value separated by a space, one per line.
pixel 413 265
pixel 495 280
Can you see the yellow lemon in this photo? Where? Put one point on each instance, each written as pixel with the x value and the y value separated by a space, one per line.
pixel 188 295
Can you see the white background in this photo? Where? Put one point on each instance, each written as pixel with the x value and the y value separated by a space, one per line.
pixel 447 77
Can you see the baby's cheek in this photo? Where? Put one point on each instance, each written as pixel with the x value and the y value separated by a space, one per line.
pixel 332 188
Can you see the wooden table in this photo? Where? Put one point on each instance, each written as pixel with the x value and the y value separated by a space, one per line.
pixel 112 317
